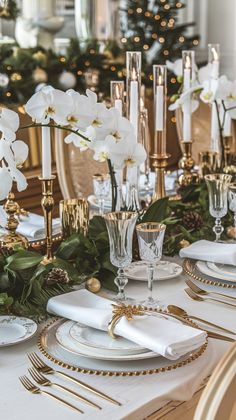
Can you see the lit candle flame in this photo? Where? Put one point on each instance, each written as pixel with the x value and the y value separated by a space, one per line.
pixel 187 62
pixel 215 55
pixel 160 80
pixel 134 74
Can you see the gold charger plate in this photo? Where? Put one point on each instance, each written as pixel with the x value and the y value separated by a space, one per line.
pixel 54 352
pixel 190 268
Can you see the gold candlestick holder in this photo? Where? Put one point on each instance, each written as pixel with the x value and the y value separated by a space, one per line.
pixel 227 142
pixel 187 164
pixel 47 205
pixel 11 239
pixel 160 163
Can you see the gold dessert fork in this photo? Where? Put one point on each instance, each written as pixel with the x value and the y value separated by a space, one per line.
pixel 200 291
pixel 38 363
pixel 42 380
pixel 35 390
pixel 194 296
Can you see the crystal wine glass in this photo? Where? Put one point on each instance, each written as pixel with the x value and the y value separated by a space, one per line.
pixel 150 240
pixel 101 187
pixel 120 227
pixel 217 185
pixel 232 203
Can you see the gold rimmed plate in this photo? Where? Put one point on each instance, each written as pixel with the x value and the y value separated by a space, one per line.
pixel 49 346
pixel 192 269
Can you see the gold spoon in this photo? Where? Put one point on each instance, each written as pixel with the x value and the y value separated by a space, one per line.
pixel 176 310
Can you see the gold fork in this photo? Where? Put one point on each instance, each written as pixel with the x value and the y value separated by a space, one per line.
pixel 38 363
pixel 194 296
pixel 35 390
pixel 41 380
pixel 200 291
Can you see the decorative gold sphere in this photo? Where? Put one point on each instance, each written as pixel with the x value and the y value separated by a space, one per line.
pixel 93 285
pixel 184 243
pixel 15 77
pixel 231 232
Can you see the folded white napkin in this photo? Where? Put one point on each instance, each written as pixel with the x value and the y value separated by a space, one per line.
pixel 210 251
pixel 165 337
pixel 31 226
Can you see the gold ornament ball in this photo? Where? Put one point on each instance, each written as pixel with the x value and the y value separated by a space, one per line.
pixel 231 232
pixel 15 77
pixel 184 243
pixel 93 285
pixel 40 75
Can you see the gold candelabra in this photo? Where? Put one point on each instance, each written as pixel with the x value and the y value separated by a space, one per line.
pixel 47 205
pixel 11 239
pixel 160 163
pixel 187 164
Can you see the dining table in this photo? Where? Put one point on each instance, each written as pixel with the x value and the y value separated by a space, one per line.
pixel 140 396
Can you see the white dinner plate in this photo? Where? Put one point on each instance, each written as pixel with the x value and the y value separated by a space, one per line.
pixel 67 342
pixel 164 270
pixel 14 330
pixel 100 340
pixel 219 271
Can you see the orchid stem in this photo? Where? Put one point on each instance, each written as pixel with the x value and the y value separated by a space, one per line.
pixel 113 186
pixel 60 127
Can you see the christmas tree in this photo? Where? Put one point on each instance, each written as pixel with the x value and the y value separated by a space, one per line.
pixel 152 26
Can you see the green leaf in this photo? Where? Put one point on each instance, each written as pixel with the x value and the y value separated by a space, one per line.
pixel 5 300
pixel 22 260
pixel 68 248
pixel 157 212
pixel 97 226
pixel 107 279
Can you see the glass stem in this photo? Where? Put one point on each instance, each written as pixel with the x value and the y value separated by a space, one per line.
pixel 121 281
pixel 150 281
pixel 101 206
pixel 218 229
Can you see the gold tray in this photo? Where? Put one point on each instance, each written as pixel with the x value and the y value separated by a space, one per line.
pixel 50 348
pixel 190 268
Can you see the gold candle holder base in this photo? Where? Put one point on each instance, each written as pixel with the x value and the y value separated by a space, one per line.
pixel 227 142
pixel 47 203
pixel 11 239
pixel 187 164
pixel 160 163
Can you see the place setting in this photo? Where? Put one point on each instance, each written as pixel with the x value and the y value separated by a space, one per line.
pixel 117 209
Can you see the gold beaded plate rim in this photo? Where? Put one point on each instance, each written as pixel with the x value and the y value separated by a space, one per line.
pixel 100 372
pixel 38 242
pixel 190 268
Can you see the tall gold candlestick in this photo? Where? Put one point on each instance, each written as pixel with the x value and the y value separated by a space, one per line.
pixel 47 205
pixel 11 239
pixel 187 164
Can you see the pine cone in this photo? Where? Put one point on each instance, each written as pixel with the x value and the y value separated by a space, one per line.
pixel 192 220
pixel 57 275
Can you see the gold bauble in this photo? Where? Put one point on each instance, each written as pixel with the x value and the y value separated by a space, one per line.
pixel 184 243
pixel 40 57
pixel 40 75
pixel 15 77
pixel 93 285
pixel 231 232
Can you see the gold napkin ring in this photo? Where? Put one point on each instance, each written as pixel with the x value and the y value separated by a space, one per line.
pixel 122 310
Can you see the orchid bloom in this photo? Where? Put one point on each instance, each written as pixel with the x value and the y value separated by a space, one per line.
pixel 175 67
pixel 127 153
pixel 115 126
pixel 49 103
pixel 82 139
pixel 183 98
pixel 13 153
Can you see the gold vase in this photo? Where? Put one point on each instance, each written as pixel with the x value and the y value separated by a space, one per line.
pixel 187 164
pixel 160 163
pixel 47 205
pixel 74 214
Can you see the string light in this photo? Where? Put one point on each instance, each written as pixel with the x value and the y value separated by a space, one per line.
pixel 92 51
pixel 173 80
pixel 167 7
pixel 16 77
pixel 79 73
pixel 8 94
pixel 139 10
pixel 154 36
pixel 87 63
pixel 113 68
pixel 178 5
pixel 123 40
pixel 181 39
pixel 163 23
pixel 173 120
pixel 130 11
pixel 157 17
pixel 166 52
pixel 150 77
pixel 136 39
pixel 146 47
pixel 62 59
pixel 195 42
pixel 161 40
pixel 148 14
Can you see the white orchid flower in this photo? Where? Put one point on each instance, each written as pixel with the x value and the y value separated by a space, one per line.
pixel 176 67
pixel 208 93
pixel 18 177
pixel 127 152
pixel 6 152
pixel 226 92
pixel 81 115
pixel 115 126
pixel 79 141
pixel 102 149
pixel 204 73
pixel 9 123
pixel 184 97
pixel 5 183
pixel 20 151
pixel 48 104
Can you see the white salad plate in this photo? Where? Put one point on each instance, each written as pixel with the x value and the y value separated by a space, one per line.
pixel 100 340
pixel 14 330
pixel 164 270
pixel 218 271
pixel 64 338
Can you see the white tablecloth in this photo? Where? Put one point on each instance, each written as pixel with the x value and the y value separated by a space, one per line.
pixel 140 396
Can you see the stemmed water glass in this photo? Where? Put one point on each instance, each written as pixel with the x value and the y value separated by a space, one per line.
pixel 217 185
pixel 232 203
pixel 120 227
pixel 150 240
pixel 101 187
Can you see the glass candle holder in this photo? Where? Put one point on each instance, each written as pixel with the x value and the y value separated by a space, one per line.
pixel 217 185
pixel 232 203
pixel 160 91
pixel 150 239
pixel 188 58
pixel 214 59
pixel 120 227
pixel 74 215
pixel 102 189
